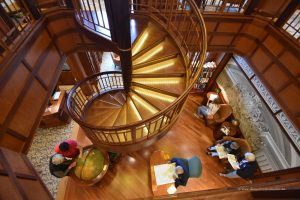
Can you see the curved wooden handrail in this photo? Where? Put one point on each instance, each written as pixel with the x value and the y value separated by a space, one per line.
pixel 194 56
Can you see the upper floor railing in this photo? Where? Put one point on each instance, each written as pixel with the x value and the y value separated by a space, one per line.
pixel 15 21
pixel 92 14
pixel 235 6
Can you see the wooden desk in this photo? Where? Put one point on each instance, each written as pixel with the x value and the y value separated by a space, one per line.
pixel 158 158
pixel 57 115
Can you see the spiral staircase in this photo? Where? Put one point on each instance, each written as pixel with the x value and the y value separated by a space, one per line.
pixel 167 58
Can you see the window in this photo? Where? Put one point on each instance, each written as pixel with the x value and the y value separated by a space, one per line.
pixel 236 6
pixel 292 26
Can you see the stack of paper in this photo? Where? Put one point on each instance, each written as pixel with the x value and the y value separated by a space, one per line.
pixel 164 173
pixel 232 160
pixel 221 151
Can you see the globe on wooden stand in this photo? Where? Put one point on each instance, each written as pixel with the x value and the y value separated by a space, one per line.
pixel 91 167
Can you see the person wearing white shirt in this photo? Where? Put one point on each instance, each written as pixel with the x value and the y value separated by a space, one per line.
pixel 208 111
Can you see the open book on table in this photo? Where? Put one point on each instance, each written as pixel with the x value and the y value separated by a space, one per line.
pixel 221 151
pixel 164 173
pixel 233 161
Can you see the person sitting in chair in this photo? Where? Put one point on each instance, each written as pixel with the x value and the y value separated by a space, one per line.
pixel 209 110
pixel 182 174
pixel 230 147
pixel 247 168
pixel 68 148
pixel 59 166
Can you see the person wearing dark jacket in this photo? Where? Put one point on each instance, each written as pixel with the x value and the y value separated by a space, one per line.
pixel 181 171
pixel 59 166
pixel 247 168
pixel 230 147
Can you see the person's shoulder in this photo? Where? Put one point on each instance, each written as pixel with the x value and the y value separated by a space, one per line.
pixel 71 142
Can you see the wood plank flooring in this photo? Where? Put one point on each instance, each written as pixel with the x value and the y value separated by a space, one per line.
pixel 130 179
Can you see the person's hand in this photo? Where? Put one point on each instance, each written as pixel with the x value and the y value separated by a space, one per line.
pixel 235 168
pixel 210 116
pixel 73 164
pixel 175 176
pixel 80 151
pixel 218 144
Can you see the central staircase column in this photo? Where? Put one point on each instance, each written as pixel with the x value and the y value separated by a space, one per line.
pixel 119 22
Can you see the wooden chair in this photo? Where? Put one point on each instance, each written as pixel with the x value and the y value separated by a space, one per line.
pixel 244 145
pixel 223 113
pixel 116 59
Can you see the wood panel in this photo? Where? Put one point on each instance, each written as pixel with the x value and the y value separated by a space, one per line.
pixel 26 114
pixel 29 77
pixel 18 179
pixel 49 67
pixel 37 48
pixel 11 90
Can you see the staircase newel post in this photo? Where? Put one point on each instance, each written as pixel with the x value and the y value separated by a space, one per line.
pixel 119 23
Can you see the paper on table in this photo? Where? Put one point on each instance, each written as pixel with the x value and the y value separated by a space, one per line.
pixel 164 173
pixel 221 151
pixel 232 160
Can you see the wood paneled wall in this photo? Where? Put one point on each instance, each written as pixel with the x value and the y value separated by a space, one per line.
pixel 32 73
pixel 273 55
pixel 26 86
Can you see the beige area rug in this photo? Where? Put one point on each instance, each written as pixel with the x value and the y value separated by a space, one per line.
pixel 42 148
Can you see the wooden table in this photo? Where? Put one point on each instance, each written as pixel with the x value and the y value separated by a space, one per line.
pixel 158 158
pixel 57 115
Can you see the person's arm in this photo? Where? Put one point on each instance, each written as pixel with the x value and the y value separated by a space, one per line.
pixel 80 151
pixel 71 166
pixel 220 141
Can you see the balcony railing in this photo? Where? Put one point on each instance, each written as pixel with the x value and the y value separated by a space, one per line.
pixel 235 6
pixel 92 14
pixel 15 21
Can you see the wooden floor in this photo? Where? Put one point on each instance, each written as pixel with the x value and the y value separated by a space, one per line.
pixel 131 176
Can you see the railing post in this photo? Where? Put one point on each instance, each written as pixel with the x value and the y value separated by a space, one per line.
pixel 133 134
pixel 118 12
pixel 288 11
pixel 32 7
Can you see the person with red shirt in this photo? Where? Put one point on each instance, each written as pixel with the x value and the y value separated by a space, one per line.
pixel 68 148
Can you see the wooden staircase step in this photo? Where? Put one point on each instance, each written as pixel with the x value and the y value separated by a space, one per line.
pixel 145 109
pixel 121 119
pixel 159 100
pixel 154 61
pixel 174 85
pixel 133 114
pixel 155 89
pixel 102 104
pixel 162 49
pixel 109 121
pixel 174 65
pixel 150 35
pixel 156 76
pixel 137 25
pixel 120 97
pixel 108 98
pixel 97 117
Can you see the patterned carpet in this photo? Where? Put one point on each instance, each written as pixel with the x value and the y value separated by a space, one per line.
pixel 43 147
